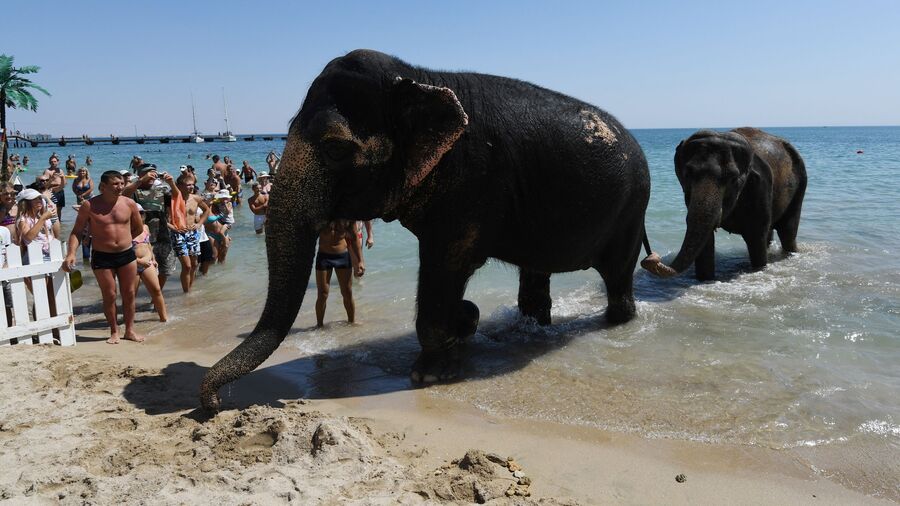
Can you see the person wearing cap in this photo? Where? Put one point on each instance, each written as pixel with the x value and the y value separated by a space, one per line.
pixel 33 222
pixel 114 221
pixel 265 182
pixel 259 206
pixel 216 224
pixel 136 163
pixel 127 176
pixel 33 225
pixel 153 190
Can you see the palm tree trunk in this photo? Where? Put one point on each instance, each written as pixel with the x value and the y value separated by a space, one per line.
pixel 4 171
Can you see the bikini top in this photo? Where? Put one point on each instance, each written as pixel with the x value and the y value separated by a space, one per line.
pixel 139 240
pixel 8 220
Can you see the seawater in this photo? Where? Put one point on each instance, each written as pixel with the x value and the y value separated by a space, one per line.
pixel 804 353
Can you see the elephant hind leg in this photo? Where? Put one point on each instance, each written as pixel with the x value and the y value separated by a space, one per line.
pixel 789 223
pixel 616 266
pixel 534 295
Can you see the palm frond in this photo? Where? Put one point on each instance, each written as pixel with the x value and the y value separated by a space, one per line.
pixel 29 69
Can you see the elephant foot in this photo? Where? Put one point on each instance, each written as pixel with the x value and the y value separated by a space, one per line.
pixel 541 314
pixel 620 311
pixel 434 366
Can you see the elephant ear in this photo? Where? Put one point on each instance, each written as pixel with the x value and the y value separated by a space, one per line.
pixel 678 155
pixel 741 153
pixel 430 119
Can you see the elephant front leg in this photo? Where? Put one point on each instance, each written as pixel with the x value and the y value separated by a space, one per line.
pixel 444 319
pixel 757 247
pixel 705 264
pixel 534 295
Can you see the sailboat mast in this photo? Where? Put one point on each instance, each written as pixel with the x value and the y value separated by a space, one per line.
pixel 193 113
pixel 225 108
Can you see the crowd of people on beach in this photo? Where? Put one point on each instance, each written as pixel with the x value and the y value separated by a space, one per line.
pixel 140 225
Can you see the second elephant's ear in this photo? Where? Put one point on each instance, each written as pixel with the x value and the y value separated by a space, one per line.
pixel 430 119
pixel 678 156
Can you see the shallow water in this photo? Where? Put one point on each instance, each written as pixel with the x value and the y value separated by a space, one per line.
pixel 804 353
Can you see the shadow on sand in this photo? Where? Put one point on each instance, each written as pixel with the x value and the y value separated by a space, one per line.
pixel 375 367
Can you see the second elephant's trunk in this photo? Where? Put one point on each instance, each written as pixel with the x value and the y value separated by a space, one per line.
pixel 704 216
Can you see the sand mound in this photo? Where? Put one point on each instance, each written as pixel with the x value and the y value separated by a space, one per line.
pixel 72 431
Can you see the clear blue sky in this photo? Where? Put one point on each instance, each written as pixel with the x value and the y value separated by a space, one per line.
pixel 113 65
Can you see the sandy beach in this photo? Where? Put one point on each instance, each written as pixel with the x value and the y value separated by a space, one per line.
pixel 101 424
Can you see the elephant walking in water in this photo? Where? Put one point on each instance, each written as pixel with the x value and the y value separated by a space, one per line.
pixel 476 167
pixel 745 181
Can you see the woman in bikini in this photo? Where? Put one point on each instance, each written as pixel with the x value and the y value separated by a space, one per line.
pixel 147 271
pixel 83 186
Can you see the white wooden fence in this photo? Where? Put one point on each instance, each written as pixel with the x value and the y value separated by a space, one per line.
pixel 40 329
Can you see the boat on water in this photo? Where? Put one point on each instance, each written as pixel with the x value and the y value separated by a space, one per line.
pixel 226 136
pixel 195 137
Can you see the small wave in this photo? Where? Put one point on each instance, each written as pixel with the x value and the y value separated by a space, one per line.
pixel 880 428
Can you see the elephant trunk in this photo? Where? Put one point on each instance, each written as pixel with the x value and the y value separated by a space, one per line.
pixel 297 210
pixel 704 215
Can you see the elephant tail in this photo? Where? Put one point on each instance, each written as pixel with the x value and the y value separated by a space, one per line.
pixel 653 262
pixel 647 242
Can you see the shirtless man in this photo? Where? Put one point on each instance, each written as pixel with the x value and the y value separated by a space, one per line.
pixel 114 221
pixel 233 180
pixel 259 206
pixel 337 244
pixel 247 172
pixel 218 165
pixel 56 185
pixel 186 242
pixel 272 161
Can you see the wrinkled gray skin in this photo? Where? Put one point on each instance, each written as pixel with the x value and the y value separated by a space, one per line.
pixel 745 181
pixel 477 167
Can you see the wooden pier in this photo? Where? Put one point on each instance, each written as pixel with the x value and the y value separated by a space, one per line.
pixel 17 141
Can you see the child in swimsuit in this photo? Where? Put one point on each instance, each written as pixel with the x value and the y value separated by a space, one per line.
pixel 147 271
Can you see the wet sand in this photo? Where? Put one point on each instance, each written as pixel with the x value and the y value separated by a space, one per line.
pixel 103 423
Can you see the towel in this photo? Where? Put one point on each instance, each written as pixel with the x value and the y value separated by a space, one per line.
pixel 178 212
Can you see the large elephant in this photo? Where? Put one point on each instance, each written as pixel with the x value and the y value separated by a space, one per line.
pixel 476 166
pixel 745 181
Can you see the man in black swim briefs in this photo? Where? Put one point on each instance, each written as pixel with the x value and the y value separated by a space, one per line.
pixel 337 242
pixel 113 221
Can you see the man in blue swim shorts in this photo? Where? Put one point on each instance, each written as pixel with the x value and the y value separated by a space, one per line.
pixel 186 243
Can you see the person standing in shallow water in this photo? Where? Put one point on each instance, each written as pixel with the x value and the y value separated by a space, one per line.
pixel 337 244
pixel 114 221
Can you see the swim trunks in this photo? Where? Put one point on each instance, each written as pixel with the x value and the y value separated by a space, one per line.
pixel 259 221
pixel 186 244
pixel 59 198
pixel 206 251
pixel 327 261
pixel 104 260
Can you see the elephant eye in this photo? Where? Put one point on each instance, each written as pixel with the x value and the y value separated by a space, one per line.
pixel 337 150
